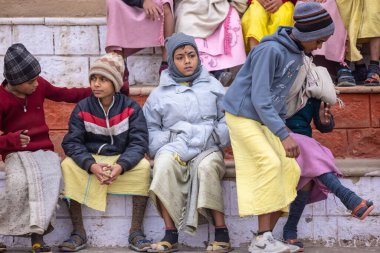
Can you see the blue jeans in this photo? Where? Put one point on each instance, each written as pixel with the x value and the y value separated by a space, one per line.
pixel 331 181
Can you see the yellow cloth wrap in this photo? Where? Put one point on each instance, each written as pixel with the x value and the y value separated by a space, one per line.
pixel 257 23
pixel 362 21
pixel 86 189
pixel 266 179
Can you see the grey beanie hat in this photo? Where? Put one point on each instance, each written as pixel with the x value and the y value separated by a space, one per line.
pixel 312 22
pixel 20 65
pixel 171 44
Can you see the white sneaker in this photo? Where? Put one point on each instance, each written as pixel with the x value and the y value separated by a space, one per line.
pixel 266 243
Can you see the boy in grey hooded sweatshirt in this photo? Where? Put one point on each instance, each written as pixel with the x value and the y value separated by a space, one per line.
pixel 266 171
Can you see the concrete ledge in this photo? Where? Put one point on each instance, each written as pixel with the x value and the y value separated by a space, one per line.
pixel 54 21
pixel 359 89
pixel 348 167
pixel 325 223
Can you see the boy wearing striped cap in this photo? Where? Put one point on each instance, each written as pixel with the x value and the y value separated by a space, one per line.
pixel 266 171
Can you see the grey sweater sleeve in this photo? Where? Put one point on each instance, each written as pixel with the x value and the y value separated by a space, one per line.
pixel 134 3
pixel 263 70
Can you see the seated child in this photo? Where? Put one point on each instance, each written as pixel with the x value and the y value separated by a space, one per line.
pixel 216 27
pixel 263 17
pixel 32 169
pixel 136 24
pixel 105 145
pixel 187 132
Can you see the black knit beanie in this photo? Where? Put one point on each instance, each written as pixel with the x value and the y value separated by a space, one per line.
pixel 20 65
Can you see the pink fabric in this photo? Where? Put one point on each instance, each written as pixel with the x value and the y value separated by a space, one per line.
pixel 128 27
pixel 334 48
pixel 225 47
pixel 314 160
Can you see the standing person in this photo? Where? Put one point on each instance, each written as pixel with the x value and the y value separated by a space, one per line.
pixel 33 170
pixel 187 133
pixel 216 27
pixel 362 20
pixel 105 148
pixel 266 173
pixel 263 17
pixel 136 24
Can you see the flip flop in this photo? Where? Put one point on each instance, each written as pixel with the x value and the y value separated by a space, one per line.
pixel 163 246
pixel 222 247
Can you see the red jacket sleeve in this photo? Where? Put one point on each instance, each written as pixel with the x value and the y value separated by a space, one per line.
pixel 10 140
pixel 69 95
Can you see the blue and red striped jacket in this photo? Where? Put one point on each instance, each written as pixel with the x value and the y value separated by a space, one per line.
pixel 123 131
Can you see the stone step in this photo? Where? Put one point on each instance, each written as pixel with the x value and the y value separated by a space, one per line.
pixel 326 222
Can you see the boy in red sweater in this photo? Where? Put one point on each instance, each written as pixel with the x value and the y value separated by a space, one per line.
pixel 24 135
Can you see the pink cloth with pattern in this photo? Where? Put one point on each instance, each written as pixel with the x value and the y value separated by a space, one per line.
pixel 334 48
pixel 314 160
pixel 225 47
pixel 129 27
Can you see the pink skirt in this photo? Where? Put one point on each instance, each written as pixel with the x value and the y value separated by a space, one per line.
pixel 225 47
pixel 129 27
pixel 334 48
pixel 314 160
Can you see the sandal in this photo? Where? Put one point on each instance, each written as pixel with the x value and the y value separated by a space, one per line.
pixel 345 78
pixel 163 246
pixel 373 72
pixel 222 247
pixel 138 242
pixel 38 248
pixel 3 247
pixel 75 243
pixel 364 204
pixel 297 243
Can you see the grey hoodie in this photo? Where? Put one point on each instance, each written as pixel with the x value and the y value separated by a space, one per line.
pixel 186 120
pixel 261 86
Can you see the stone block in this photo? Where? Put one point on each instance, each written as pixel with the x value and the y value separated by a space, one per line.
pixel 1 68
pixel 65 71
pixel 146 51
pixel 325 228
pixel 143 69
pixel 336 141
pixel 363 232
pixel 319 208
pixel 306 227
pixel 102 38
pixel 233 198
pixel 140 99
pixel 116 208
pixel 375 110
pixel 154 228
pixel 227 197
pixel 38 39
pixel 76 40
pixel 151 210
pixel 355 113
pixel 240 229
pixel 57 114
pixel 364 143
pixel 56 136
pixel 5 39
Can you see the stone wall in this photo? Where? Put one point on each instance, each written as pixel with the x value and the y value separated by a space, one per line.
pixel 52 8
pixel 66 47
